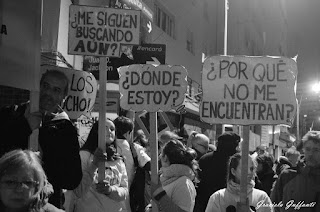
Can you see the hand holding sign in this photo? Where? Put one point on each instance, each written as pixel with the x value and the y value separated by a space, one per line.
pixel 145 87
pixel 82 91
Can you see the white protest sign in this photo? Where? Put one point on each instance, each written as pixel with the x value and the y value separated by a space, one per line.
pixel 99 31
pixel 82 91
pixel 248 90
pixel 150 88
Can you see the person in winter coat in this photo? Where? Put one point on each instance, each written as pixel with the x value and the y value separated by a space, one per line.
pixel 199 142
pixel 265 172
pixel 135 159
pixel 227 199
pixel 213 168
pixel 23 183
pixel 177 175
pixel 299 189
pixel 282 164
pixel 100 196
pixel 58 137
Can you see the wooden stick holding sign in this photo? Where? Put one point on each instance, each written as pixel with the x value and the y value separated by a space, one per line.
pixel 243 206
pixel 160 88
pixel 88 17
pixel 244 90
pixel 154 155
pixel 102 113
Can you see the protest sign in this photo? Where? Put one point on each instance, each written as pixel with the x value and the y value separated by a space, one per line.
pixel 150 88
pixel 82 91
pixel 99 31
pixel 248 90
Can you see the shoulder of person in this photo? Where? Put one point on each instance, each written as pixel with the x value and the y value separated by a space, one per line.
pixel 207 156
pixel 259 193
pixel 139 148
pixel 219 193
pixel 50 208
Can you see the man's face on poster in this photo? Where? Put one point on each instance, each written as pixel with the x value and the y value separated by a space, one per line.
pixel 52 92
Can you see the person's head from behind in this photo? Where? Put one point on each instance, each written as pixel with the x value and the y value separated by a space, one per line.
pixel 234 168
pixel 200 143
pixel 175 152
pixel 311 148
pixel 22 181
pixel 261 150
pixel 166 136
pixel 92 140
pixel 54 87
pixel 228 143
pixel 293 156
pixel 264 163
pixel 141 138
pixel 124 127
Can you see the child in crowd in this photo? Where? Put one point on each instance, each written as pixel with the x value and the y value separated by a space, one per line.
pixel 23 183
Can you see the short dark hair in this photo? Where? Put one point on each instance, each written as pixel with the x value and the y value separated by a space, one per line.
pixel 59 75
pixel 123 125
pixel 228 142
pixel 178 153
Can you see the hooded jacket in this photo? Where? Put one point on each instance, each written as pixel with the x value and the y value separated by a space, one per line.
pixel 58 141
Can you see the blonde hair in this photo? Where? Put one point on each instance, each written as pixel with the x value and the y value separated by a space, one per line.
pixel 17 159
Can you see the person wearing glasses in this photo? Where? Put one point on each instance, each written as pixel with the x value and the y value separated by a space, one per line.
pixel 57 135
pixel 23 183
pixel 300 189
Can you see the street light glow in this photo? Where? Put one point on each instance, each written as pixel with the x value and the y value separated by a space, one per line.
pixel 316 87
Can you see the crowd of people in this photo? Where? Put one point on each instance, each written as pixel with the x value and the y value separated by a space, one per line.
pixel 194 175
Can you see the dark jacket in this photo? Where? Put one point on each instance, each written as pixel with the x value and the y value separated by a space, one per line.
pixel 212 176
pixel 282 164
pixel 297 186
pixel 58 141
pixel 266 176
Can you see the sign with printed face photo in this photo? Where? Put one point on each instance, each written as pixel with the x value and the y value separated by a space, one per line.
pixel 82 91
pixel 100 31
pixel 244 90
pixel 150 88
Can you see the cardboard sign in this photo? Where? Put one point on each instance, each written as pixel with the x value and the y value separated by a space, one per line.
pixel 150 88
pixel 100 31
pixel 82 91
pixel 248 90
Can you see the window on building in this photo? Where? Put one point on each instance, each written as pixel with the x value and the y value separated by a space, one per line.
pixel 190 41
pixel 164 20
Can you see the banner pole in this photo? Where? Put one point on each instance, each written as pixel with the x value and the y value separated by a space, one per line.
pixel 154 155
pixel 244 204
pixel 102 113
